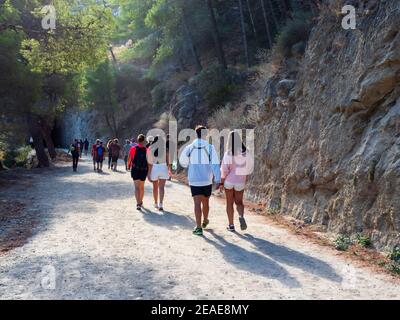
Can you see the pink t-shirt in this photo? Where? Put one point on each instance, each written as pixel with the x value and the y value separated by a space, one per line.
pixel 235 169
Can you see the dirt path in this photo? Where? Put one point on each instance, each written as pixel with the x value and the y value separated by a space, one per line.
pixel 88 238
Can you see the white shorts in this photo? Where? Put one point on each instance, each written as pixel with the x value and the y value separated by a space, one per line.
pixel 159 171
pixel 236 186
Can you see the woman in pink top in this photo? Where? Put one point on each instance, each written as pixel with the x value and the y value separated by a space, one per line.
pixel 236 165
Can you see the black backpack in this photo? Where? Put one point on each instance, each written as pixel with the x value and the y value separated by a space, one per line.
pixel 140 159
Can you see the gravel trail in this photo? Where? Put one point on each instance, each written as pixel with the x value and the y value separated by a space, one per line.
pixel 88 242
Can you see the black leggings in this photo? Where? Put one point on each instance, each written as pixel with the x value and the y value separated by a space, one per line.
pixel 75 160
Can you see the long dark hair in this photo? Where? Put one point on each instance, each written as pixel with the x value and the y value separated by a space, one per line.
pixel 235 144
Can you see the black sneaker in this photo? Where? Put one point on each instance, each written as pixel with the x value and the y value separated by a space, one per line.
pixel 231 228
pixel 243 224
pixel 198 231
pixel 138 207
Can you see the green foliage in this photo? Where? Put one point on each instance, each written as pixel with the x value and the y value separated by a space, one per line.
pixel 160 95
pixel 295 31
pixel 342 242
pixel 100 86
pixel 394 255
pixel 143 49
pixel 363 240
pixel 79 40
pixel 16 158
pixel 130 22
pixel 216 84
pixel 393 267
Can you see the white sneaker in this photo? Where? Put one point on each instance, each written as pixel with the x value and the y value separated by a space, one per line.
pixel 156 206
pixel 160 207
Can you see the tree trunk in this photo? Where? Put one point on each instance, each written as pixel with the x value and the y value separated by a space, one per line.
pixel 112 55
pixel 246 48
pixel 111 125
pixel 192 46
pixel 283 7
pixel 36 133
pixel 253 25
pixel 269 37
pixel 46 133
pixel 271 7
pixel 216 36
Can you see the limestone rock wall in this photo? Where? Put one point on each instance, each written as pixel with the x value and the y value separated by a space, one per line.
pixel 328 149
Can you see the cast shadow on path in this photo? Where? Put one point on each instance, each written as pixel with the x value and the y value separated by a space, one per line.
pixel 293 258
pixel 251 261
pixel 167 219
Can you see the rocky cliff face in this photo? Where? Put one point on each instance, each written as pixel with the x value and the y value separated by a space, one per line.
pixel 79 124
pixel 328 150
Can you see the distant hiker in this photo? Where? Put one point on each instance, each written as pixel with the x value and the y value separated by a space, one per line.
pixel 133 143
pixel 74 149
pixel 81 146
pixel 100 152
pixel 31 143
pixel 203 165
pixel 109 144
pixel 86 146
pixel 137 163
pixel 94 153
pixel 115 153
pixel 236 165
pixel 127 148
pixel 158 169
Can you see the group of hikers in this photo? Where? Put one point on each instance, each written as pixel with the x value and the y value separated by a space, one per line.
pixel 150 159
pixel 77 148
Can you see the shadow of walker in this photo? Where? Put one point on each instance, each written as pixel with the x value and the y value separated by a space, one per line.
pixel 251 261
pixel 293 258
pixel 168 219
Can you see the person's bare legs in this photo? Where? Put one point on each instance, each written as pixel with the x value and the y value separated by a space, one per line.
pixel 161 190
pixel 206 207
pixel 197 209
pixel 141 191
pixel 229 205
pixel 137 191
pixel 238 196
pixel 155 192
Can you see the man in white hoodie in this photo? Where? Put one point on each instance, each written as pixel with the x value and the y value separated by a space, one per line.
pixel 202 162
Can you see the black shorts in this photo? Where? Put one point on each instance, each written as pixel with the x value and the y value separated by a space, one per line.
pixel 201 191
pixel 99 159
pixel 139 174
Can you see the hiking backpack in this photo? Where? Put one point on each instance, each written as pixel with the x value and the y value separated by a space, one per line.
pixel 208 152
pixel 100 151
pixel 140 159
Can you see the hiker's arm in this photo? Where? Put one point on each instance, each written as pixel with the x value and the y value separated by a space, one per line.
pixel 215 165
pixel 225 168
pixel 131 156
pixel 184 158
pixel 150 161
pixel 224 171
